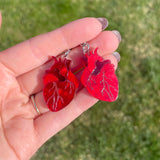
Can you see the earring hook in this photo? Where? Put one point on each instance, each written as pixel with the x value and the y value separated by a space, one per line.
pixel 67 52
pixel 85 47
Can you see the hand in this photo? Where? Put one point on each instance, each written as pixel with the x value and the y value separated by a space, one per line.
pixel 22 130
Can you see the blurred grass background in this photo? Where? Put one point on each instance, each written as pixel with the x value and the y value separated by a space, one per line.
pixel 128 129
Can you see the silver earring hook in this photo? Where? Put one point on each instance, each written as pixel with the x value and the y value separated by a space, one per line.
pixel 85 47
pixel 67 52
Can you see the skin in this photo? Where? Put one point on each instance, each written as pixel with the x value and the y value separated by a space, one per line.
pixel 22 130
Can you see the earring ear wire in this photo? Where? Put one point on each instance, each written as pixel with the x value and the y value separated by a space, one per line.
pixel 85 46
pixel 67 52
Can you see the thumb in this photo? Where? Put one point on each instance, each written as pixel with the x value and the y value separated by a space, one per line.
pixel 0 19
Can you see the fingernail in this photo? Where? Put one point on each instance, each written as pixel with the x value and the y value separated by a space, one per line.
pixel 104 22
pixel 117 34
pixel 117 56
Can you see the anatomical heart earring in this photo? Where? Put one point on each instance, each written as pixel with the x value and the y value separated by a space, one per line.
pixel 60 84
pixel 99 77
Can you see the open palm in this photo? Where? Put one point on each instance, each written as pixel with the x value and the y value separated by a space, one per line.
pixel 22 130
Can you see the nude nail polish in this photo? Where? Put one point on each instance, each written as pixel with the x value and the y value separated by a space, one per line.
pixel 117 34
pixel 117 56
pixel 104 22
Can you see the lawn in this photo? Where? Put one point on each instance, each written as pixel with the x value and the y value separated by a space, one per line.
pixel 128 129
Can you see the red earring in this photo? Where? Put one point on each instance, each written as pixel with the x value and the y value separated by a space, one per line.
pixel 60 84
pixel 99 77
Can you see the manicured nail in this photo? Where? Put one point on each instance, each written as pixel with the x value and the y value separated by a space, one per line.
pixel 117 56
pixel 104 22
pixel 117 34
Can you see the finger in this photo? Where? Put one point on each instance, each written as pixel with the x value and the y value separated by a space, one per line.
pixel 50 123
pixel 36 51
pixel 107 42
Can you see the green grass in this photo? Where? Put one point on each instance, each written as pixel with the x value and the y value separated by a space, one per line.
pixel 128 129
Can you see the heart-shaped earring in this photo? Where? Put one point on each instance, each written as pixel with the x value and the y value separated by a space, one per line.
pixel 99 77
pixel 60 84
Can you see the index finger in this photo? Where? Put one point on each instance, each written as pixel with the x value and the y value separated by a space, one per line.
pixel 34 52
